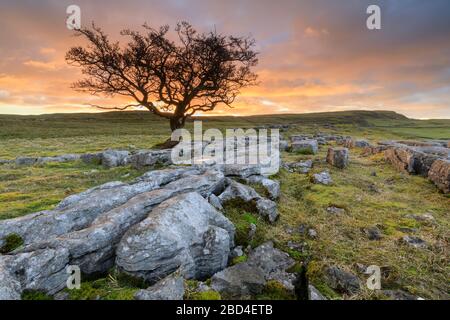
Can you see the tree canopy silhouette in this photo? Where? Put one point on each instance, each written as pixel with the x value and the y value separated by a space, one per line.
pixel 172 79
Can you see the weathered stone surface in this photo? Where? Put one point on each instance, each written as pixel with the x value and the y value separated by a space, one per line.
pixel 92 158
pixel 211 181
pixel 272 186
pixel 414 242
pixel 371 150
pixel 10 288
pixel 144 158
pixel 241 170
pixel 236 190
pixel 307 146
pixel 409 160
pixel 77 212
pixel 62 158
pixel 302 166
pixel 270 260
pixel 114 158
pixel 267 209
pixel 248 278
pixel 361 143
pixel 184 232
pixel 169 288
pixel 43 270
pixel 338 157
pixel 335 210
pixel 26 161
pixel 315 294
pixel 439 174
pixel 239 281
pixel 215 202
pixel 342 281
pixel 373 233
pixel 322 178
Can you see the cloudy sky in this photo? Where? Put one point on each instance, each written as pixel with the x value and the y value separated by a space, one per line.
pixel 314 55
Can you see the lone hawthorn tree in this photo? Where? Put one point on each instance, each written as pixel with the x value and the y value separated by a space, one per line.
pixel 172 79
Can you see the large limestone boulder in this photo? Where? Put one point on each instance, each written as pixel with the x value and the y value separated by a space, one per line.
pixel 78 211
pixel 185 233
pixel 338 157
pixel 145 158
pixel 439 174
pixel 272 186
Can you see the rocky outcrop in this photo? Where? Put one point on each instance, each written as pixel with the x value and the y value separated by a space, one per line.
pixel 439 174
pixel 410 160
pixel 169 288
pixel 301 166
pixel 184 232
pixel 338 157
pixel 272 187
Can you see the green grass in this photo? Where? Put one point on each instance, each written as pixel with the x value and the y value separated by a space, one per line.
pixel 383 200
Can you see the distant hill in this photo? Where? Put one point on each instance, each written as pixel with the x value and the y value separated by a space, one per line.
pixel 144 122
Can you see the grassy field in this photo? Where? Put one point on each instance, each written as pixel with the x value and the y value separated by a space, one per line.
pixel 382 200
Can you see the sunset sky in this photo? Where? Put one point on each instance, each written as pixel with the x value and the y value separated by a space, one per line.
pixel 314 55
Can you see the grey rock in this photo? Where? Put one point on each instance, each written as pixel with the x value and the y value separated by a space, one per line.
pixel 236 190
pixel 361 143
pixel 302 166
pixel 267 209
pixel 79 211
pixel 145 158
pixel 62 158
pixel 315 294
pixel 237 252
pixel 239 281
pixel 312 233
pixel 169 288
pixel 270 259
pixel 215 202
pixel 25 161
pixel 338 157
pixel 342 281
pixel 307 146
pixel 61 296
pixel 252 231
pixel 211 181
pixel 114 158
pixel 92 158
pixel 322 178
pixel 426 217
pixel 414 242
pixel 241 170
pixel 184 232
pixel 10 287
pixel 335 210
pixel 373 233
pixel 272 186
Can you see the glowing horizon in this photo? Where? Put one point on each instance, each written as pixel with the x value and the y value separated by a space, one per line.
pixel 315 56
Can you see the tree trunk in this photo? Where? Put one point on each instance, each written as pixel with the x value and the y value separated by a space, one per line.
pixel 176 123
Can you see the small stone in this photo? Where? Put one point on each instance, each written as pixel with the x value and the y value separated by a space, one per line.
pixel 335 210
pixel 315 294
pixel 322 178
pixel 312 233
pixel 415 242
pixel 373 233
pixel 170 288
pixel 252 231
pixel 342 281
